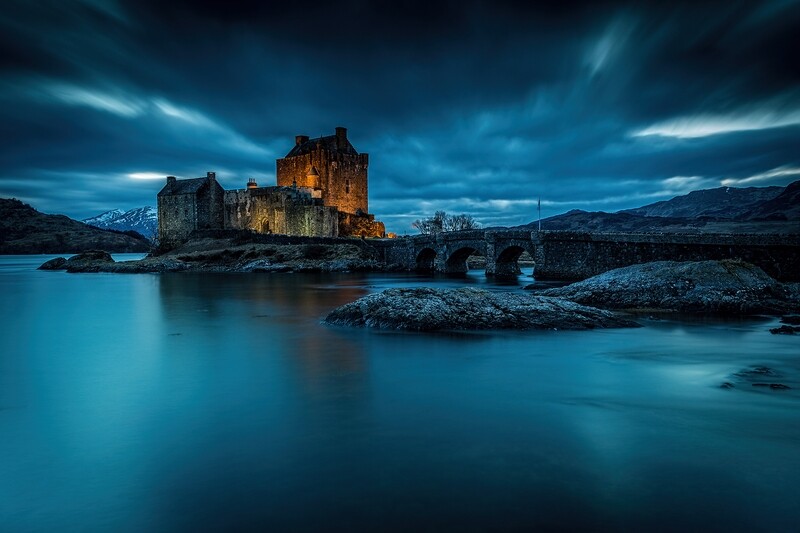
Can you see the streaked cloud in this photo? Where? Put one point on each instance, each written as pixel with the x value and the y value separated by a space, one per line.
pixel 480 109
pixel 122 106
pixel 771 177
pixel 707 125
pixel 147 175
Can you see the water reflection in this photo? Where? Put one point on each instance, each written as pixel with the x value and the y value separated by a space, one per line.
pixel 220 402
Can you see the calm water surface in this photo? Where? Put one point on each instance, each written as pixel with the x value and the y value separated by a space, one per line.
pixel 187 402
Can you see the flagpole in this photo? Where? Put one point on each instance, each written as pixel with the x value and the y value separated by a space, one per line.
pixel 539 203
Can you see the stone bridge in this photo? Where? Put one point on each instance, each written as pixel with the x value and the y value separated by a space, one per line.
pixel 568 255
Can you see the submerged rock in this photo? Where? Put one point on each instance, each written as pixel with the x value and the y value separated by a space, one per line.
pixel 773 386
pixel 760 377
pixel 785 330
pixel 726 287
pixel 426 309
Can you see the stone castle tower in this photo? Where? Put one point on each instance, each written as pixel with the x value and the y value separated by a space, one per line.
pixel 330 167
pixel 321 192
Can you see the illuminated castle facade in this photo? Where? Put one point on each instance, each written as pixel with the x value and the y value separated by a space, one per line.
pixel 321 192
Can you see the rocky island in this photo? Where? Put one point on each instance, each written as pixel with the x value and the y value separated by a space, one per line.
pixel 719 287
pixel 426 309
pixel 237 254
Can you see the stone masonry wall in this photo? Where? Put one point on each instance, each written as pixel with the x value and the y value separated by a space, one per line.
pixel 342 177
pixel 569 256
pixel 566 255
pixel 177 218
pixel 279 210
pixel 360 226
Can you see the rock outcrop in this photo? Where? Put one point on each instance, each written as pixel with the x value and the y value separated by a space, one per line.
pixel 226 256
pixel 426 309
pixel 724 287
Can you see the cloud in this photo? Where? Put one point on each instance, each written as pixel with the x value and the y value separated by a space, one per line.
pixel 478 108
pixel 122 106
pixel 774 176
pixel 195 118
pixel 706 125
pixel 609 45
pixel 147 175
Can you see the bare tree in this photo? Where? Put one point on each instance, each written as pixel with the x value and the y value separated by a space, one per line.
pixel 460 222
pixel 442 222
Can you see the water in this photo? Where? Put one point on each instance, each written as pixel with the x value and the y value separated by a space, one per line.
pixel 186 402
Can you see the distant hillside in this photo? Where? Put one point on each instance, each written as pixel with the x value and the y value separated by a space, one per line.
pixel 598 221
pixel 721 210
pixel 722 202
pixel 143 220
pixel 785 206
pixel 24 230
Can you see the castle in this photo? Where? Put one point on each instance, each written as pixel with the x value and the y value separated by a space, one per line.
pixel 321 191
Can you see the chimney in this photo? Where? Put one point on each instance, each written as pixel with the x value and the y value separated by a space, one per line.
pixel 341 137
pixel 251 184
pixel 171 179
pixel 211 175
pixel 300 139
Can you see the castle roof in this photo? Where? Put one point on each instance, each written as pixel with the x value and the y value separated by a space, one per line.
pixel 328 143
pixel 190 186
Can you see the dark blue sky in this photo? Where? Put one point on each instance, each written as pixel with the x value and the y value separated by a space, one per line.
pixel 474 107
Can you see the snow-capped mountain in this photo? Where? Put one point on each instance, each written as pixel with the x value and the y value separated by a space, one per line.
pixel 104 218
pixel 142 219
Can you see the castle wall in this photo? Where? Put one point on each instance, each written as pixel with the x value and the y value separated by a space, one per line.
pixel 360 226
pixel 177 217
pixel 210 211
pixel 284 211
pixel 342 177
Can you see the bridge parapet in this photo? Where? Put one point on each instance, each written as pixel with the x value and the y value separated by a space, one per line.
pixel 576 255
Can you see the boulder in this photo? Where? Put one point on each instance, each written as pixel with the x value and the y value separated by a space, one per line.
pixel 91 261
pixel 724 287
pixel 427 309
pixel 54 264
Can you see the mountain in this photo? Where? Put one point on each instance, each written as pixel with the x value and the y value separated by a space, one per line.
pixel 721 210
pixel 785 206
pixel 103 218
pixel 143 220
pixel 599 221
pixel 24 230
pixel 722 202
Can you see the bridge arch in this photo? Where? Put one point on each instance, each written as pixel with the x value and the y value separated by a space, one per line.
pixel 456 262
pixel 426 260
pixel 506 265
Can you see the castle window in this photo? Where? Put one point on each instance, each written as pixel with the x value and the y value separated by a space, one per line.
pixel 347 186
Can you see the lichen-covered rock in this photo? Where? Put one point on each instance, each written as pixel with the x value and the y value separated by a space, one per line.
pixel 56 263
pixel 91 261
pixel 426 309
pixel 724 287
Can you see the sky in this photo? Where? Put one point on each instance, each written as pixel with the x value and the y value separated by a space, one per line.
pixel 467 107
